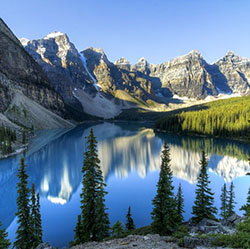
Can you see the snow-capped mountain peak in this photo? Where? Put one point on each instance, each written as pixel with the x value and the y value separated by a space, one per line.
pixel 54 35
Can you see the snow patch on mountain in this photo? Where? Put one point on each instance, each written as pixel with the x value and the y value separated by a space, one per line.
pixel 84 62
pixel 54 35
pixel 24 41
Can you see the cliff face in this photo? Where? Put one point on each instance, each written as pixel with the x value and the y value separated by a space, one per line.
pixel 236 71
pixel 19 73
pixel 185 76
pixel 62 63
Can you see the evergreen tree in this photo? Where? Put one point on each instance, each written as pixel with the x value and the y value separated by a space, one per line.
pixel 35 218
pixel 164 212
pixel 224 201
pixel 246 207
pixel 24 231
pixel 38 221
pixel 117 229
pixel 33 215
pixel 4 242
pixel 203 205
pixel 180 205
pixel 130 222
pixel 95 221
pixel 78 231
pixel 231 202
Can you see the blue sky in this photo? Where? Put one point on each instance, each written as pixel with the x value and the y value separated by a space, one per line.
pixel 158 30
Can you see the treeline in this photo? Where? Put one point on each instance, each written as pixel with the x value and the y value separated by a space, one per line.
pixel 29 231
pixel 225 118
pixel 7 137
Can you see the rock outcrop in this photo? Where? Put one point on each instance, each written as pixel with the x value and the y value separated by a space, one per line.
pixel 186 76
pixel 20 74
pixel 236 72
pixel 62 63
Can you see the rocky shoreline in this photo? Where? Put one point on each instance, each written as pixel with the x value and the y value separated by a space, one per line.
pixel 150 241
pixel 200 236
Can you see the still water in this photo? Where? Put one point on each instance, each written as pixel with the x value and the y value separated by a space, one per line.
pixel 130 161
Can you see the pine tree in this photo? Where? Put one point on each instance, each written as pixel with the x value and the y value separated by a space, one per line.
pixel 35 218
pixel 180 205
pixel 224 201
pixel 33 215
pixel 231 202
pixel 246 207
pixel 78 231
pixel 24 231
pixel 130 222
pixel 164 212
pixel 203 205
pixel 4 242
pixel 95 221
pixel 117 229
pixel 38 221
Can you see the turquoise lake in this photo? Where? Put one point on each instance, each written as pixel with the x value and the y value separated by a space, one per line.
pixel 130 161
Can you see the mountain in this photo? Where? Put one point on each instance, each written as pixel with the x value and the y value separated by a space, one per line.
pixel 26 96
pixel 90 83
pixel 236 72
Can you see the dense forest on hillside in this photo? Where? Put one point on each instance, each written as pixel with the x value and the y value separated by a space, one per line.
pixel 7 137
pixel 225 118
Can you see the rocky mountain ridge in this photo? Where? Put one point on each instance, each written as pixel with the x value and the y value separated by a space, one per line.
pixel 27 99
pixel 88 81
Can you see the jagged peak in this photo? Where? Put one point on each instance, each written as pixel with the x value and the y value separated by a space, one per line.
pixel 195 51
pixel 233 57
pixel 122 61
pixel 230 53
pixel 54 34
pixel 142 59
pixel 97 50
pixel 24 41
pixel 193 54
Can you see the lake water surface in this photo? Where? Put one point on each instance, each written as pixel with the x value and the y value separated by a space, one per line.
pixel 130 161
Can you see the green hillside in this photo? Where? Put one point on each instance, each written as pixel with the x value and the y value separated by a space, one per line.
pixel 225 118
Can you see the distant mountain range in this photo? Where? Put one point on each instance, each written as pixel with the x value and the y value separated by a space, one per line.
pixel 52 73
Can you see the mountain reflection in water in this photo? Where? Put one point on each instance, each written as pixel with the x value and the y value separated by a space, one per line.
pixel 55 161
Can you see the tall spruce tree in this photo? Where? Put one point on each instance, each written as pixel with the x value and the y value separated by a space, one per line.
pixel 130 222
pixel 78 231
pixel 224 201
pixel 38 221
pixel 203 205
pixel 246 207
pixel 164 212
pixel 35 218
pixel 4 242
pixel 231 201
pixel 33 215
pixel 117 229
pixel 24 230
pixel 180 205
pixel 95 221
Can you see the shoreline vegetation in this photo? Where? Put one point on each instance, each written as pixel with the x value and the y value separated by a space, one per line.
pixel 228 119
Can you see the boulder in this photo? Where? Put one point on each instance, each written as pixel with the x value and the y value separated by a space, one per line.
pixel 193 242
